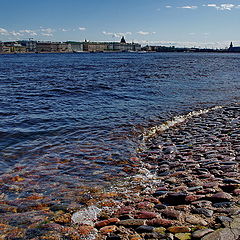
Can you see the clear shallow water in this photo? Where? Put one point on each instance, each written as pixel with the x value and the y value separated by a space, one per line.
pixel 74 118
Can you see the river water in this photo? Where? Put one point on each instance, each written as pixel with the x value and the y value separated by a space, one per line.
pixel 72 119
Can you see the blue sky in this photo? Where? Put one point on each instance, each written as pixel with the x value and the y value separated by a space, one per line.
pixel 205 23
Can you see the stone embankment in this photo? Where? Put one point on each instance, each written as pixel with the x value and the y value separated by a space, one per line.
pixel 186 186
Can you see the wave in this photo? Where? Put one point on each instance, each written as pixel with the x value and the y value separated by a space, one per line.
pixel 155 130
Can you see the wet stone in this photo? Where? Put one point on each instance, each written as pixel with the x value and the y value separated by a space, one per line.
pixel 183 236
pixel 223 204
pixel 125 210
pixel 221 196
pixel 106 222
pixel 193 198
pixel 225 221
pixel 222 233
pixel 146 215
pixel 144 229
pixel 131 222
pixel 195 220
pixel 161 230
pixel 179 229
pixel 108 229
pixel 160 206
pixel 191 189
pixel 144 205
pixel 175 198
pixel 172 214
pixel 203 211
pixel 159 222
pixel 230 181
pixel 160 193
pixel 236 192
pixel 201 233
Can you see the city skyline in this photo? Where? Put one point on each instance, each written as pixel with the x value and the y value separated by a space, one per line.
pixel 189 23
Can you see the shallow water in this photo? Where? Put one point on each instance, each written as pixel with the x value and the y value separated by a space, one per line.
pixel 69 119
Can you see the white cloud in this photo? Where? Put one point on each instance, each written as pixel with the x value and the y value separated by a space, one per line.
pixel 47 34
pixel 168 6
pixel 116 35
pixel 64 30
pixel 225 6
pixel 14 33
pixel 145 33
pixel 3 31
pixel 189 7
pixel 47 30
pixel 28 32
pixel 82 28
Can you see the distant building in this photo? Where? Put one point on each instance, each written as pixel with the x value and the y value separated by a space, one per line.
pixel 94 46
pixel 14 47
pixel 52 47
pixel 4 49
pixel 123 46
pixel 31 46
pixel 75 46
pixel 70 46
pixel 88 46
pixel 233 49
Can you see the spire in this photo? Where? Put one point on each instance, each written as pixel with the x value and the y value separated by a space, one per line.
pixel 231 45
pixel 123 40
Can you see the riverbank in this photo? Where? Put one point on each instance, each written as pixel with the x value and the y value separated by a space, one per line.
pixel 186 186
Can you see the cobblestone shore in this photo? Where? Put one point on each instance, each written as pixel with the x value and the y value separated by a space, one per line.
pixel 186 186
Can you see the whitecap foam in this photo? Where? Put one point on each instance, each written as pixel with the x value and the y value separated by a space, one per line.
pixel 153 131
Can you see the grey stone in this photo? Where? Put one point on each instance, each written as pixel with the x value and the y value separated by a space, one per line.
pixel 144 229
pixel 223 234
pixel 204 211
pixel 200 233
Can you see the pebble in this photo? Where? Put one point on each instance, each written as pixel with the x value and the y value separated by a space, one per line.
pixel 108 229
pixel 144 229
pixel 146 215
pixel 131 222
pixel 172 214
pixel 106 222
pixel 200 233
pixel 221 196
pixel 196 220
pixel 183 236
pixel 179 229
pixel 158 222
pixel 204 211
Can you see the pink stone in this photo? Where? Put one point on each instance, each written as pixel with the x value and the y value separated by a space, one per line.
pixel 125 210
pixel 108 229
pixel 172 214
pixel 160 222
pixel 236 192
pixel 145 205
pixel 221 196
pixel 146 215
pixel 192 198
pixel 106 222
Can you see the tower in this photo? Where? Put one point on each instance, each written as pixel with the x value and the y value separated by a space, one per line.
pixel 123 40
pixel 231 45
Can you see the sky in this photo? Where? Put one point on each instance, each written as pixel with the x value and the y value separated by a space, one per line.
pixel 180 23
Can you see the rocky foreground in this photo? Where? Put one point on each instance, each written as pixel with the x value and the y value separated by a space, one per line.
pixel 186 186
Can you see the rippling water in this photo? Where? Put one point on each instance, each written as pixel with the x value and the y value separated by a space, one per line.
pixel 74 118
